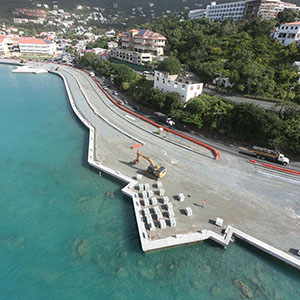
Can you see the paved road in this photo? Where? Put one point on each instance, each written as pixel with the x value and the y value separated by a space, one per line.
pixel 268 105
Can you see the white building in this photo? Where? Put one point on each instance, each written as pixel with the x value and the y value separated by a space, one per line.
pixel 233 10
pixel 248 9
pixel 140 46
pixel 36 46
pixel 110 34
pixel 177 83
pixel 131 56
pixel 112 44
pixel 197 14
pixel 287 33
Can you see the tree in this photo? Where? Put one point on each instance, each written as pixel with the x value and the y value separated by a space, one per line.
pixel 287 15
pixel 171 65
pixel 172 102
pixel 123 74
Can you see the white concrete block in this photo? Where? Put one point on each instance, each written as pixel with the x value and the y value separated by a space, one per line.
pixel 154 201
pixel 188 211
pixel 161 192
pixel 219 222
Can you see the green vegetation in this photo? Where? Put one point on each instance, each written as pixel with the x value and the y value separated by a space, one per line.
pixel 99 43
pixel 243 122
pixel 171 65
pixel 242 51
pixel 287 16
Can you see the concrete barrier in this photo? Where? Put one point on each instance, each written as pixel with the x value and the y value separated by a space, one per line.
pixel 280 169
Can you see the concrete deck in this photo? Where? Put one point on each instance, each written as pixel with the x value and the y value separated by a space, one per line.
pixel 257 207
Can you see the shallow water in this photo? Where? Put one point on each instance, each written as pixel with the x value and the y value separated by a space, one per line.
pixel 66 233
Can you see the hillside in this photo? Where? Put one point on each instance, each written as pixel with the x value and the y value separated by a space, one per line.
pixel 126 5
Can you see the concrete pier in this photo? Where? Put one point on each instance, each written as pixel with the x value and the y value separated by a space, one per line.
pixel 150 244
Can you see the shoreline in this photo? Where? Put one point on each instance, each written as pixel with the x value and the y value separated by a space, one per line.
pixel 147 243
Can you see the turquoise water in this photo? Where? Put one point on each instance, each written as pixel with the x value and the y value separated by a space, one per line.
pixel 66 233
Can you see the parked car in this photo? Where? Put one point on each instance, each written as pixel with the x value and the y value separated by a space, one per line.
pixel 115 93
pixel 120 102
pixel 105 88
pixel 137 108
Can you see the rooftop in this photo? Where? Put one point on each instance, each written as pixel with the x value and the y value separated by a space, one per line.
pixel 145 34
pixel 32 41
pixel 292 23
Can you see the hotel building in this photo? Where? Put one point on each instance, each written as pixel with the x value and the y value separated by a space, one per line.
pixel 139 46
pixel 14 44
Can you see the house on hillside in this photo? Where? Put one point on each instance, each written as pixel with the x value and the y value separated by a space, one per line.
pixel 180 84
pixel 287 33
pixel 140 46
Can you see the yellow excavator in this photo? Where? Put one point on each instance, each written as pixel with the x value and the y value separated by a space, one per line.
pixel 157 170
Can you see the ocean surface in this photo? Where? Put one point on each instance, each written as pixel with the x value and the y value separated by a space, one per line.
pixel 67 233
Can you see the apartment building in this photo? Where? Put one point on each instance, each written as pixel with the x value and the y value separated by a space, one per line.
pixel 180 84
pixel 249 9
pixel 287 33
pixel 139 46
pixel 232 10
pixel 197 14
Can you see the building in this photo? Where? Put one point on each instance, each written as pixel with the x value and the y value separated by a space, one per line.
pixel 233 10
pixel 287 33
pixel 112 44
pixel 266 9
pixel 180 84
pixel 248 9
pixel 197 14
pixel 20 20
pixel 36 46
pixel 2 44
pixel 139 46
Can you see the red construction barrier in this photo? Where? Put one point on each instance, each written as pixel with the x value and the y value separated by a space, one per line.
pixel 213 150
pixel 253 161
pixel 136 146
pixel 281 169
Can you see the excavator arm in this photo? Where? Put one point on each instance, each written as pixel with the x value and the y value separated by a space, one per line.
pixel 138 158
pixel 157 170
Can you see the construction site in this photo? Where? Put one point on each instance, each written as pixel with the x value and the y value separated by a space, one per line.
pixel 184 191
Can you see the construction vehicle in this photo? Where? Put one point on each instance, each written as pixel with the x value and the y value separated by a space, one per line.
pixel 157 170
pixel 273 155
